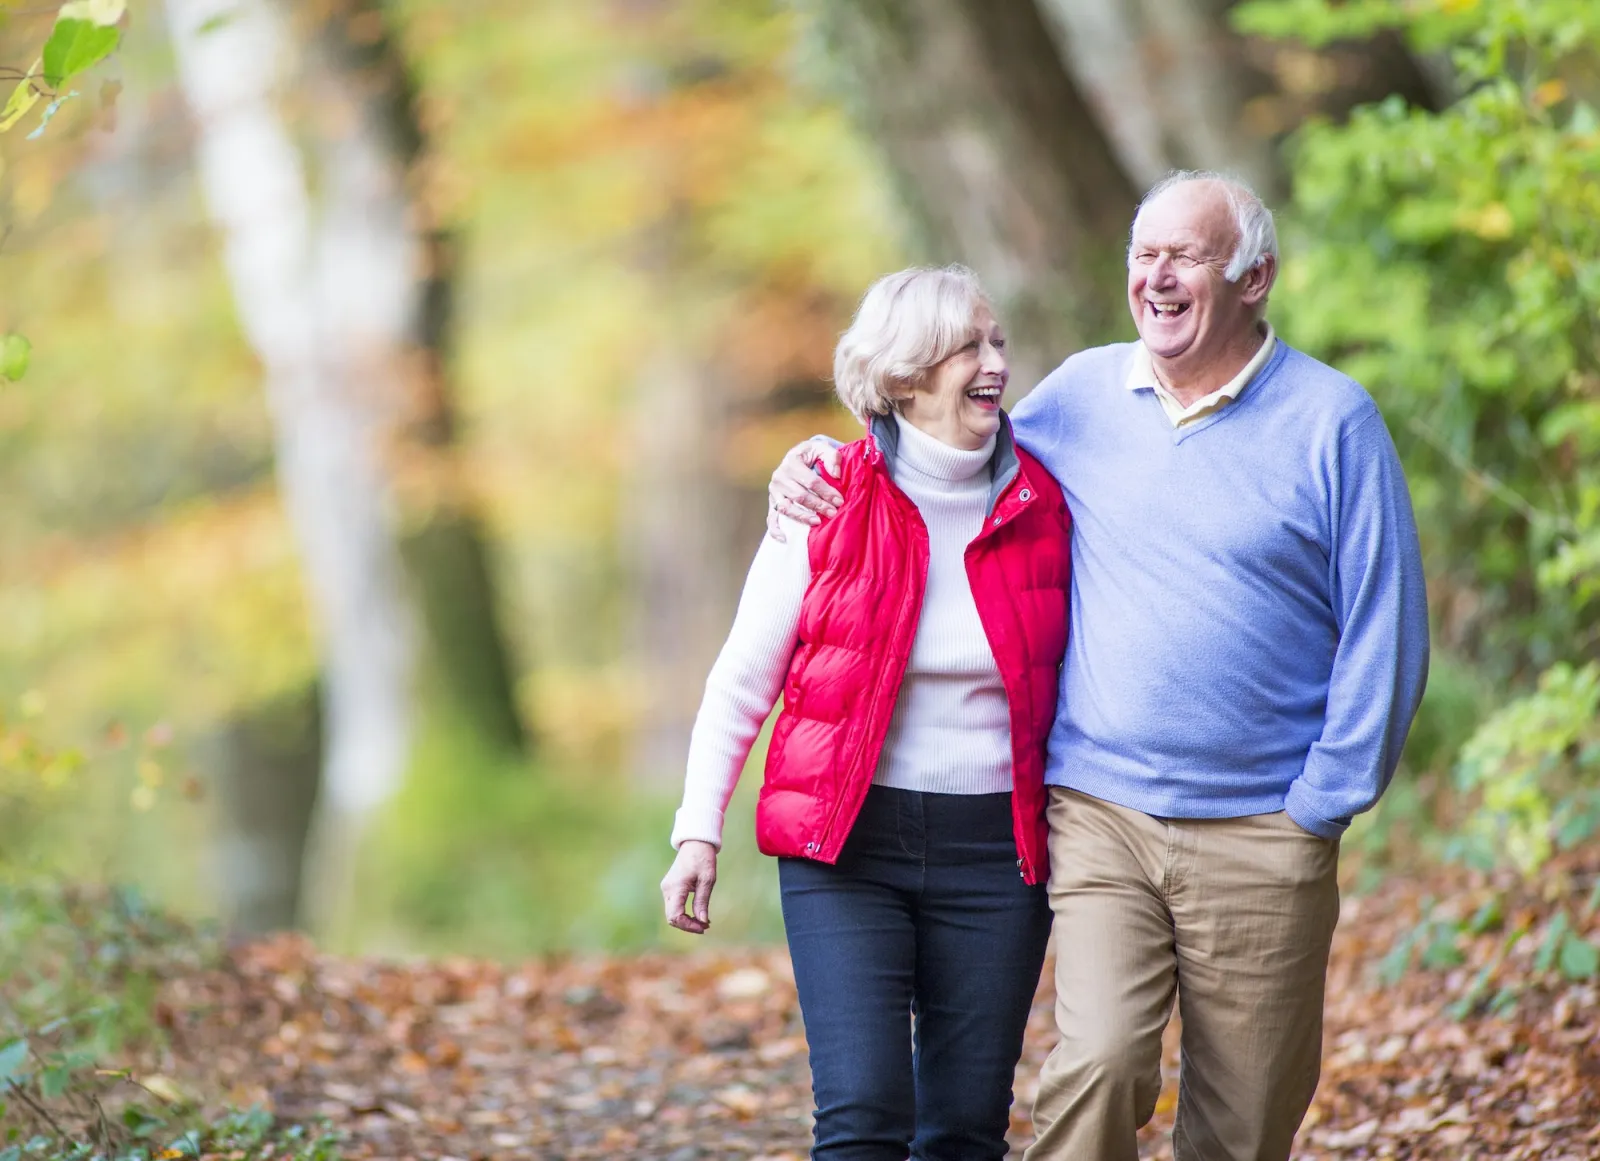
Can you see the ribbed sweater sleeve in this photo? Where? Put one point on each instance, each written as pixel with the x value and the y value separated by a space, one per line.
pixel 744 683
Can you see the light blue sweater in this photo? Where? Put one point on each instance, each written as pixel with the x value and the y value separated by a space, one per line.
pixel 1249 622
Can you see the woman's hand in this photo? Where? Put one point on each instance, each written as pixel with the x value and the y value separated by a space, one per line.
pixel 798 492
pixel 693 874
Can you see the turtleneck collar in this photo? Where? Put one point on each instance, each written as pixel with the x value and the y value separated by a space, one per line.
pixel 936 459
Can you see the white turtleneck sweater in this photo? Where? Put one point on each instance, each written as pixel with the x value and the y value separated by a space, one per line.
pixel 951 729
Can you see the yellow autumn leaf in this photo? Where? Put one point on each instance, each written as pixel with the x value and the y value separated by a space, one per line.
pixel 23 98
pixel 1492 223
pixel 166 1089
pixel 1550 93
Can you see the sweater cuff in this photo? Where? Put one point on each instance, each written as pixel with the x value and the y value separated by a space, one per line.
pixel 702 823
pixel 1300 811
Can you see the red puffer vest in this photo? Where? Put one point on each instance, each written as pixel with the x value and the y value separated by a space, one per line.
pixel 869 567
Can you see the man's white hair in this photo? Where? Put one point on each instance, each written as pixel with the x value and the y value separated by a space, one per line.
pixel 908 322
pixel 1258 236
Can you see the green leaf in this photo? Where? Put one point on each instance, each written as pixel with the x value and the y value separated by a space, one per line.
pixel 1442 950
pixel 220 20
pixel 1580 959
pixel 23 98
pixel 13 1058
pixel 1392 968
pixel 74 45
pixel 1488 917
pixel 54 1081
pixel 1554 936
pixel 140 1122
pixel 1503 1002
pixel 15 353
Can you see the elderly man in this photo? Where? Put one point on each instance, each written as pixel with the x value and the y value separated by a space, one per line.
pixel 1249 644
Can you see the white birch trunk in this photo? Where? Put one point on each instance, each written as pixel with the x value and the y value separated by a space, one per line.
pixel 321 297
pixel 1168 80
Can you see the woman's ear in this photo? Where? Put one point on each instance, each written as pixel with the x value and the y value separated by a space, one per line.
pixel 900 390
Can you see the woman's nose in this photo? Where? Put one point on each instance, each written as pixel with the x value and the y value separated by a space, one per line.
pixel 994 360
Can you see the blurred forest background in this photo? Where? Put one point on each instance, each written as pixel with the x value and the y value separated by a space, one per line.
pixel 405 377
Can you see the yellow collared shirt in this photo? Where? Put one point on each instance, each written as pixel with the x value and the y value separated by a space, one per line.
pixel 1142 375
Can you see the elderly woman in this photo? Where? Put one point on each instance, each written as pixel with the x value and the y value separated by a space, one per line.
pixel 915 637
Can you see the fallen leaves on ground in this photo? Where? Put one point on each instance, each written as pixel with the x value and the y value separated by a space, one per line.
pixel 700 1056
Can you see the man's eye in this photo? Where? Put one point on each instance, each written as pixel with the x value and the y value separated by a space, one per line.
pixel 1188 261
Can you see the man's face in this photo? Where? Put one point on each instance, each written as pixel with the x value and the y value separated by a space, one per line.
pixel 1186 311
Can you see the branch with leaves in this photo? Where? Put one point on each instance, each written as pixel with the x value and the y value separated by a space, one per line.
pixel 85 32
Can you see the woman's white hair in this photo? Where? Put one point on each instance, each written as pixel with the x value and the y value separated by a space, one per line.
pixel 1258 236
pixel 907 323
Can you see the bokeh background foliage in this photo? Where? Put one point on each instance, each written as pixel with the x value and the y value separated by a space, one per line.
pixel 650 218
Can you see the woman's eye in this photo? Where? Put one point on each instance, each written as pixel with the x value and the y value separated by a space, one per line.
pixel 999 344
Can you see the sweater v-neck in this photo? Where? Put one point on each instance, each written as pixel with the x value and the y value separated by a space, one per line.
pixel 1205 422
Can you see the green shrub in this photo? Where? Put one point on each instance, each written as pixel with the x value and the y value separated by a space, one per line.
pixel 1450 262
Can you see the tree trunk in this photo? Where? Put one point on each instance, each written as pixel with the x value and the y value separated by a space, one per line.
pixel 681 563
pixel 264 762
pixel 998 156
pixel 297 303
pixel 1171 83
pixel 375 224
pixel 1177 88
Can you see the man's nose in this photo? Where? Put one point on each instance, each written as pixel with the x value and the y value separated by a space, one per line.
pixel 1163 272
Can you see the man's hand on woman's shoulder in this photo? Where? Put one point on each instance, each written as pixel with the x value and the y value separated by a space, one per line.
pixel 797 489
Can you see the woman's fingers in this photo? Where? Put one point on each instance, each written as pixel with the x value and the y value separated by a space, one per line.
pixel 690 924
pixel 675 892
pixel 677 895
pixel 692 876
pixel 702 895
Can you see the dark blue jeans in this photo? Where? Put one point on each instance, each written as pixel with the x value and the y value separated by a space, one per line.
pixel 916 957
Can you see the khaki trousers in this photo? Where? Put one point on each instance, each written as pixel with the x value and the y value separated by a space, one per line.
pixel 1234 916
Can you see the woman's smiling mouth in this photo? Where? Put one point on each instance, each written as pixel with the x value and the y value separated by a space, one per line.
pixel 986 397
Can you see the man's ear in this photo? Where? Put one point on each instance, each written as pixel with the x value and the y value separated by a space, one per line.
pixel 1258 281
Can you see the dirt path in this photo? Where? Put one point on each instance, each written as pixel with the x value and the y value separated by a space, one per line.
pixel 702 1056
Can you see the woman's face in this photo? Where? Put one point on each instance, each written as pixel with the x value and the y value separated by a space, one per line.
pixel 958 401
